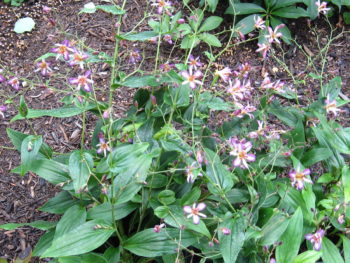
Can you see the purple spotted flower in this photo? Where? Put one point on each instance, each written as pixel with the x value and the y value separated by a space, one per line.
pixel 243 70
pixel 194 62
pixel 331 106
pixel 298 178
pixel 135 56
pixel 226 231
pixel 168 38
pixel 239 90
pixel 2 78
pixel 263 49
pixel 166 67
pixel 162 5
pixel 157 228
pixel 103 145
pixel 14 82
pixel 274 35
pixel 244 110
pixel 63 49
pixel 240 149
pixel 82 81
pixel 3 109
pixel 43 67
pixel 191 78
pixel 192 172
pixel 78 58
pixel 194 212
pixel 322 7
pixel 316 239
pixel 224 74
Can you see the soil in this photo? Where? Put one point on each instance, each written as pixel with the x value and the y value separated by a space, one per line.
pixel 20 197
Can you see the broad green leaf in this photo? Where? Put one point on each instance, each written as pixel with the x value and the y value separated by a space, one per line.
pixel 247 24
pixel 50 170
pixel 346 246
pixel 291 239
pixel 89 8
pixel 112 9
pixel 63 112
pixel 231 245
pixel 273 229
pixel 112 254
pixel 315 155
pixel 285 3
pixel 189 41
pixel 86 258
pixel 104 211
pixel 29 151
pixel 312 9
pixel 191 197
pixel 346 183
pixel 23 108
pixel 81 239
pixel 212 4
pixel 210 39
pixel 167 197
pixel 59 204
pixel 42 225
pixel 212 102
pixel 330 252
pixel 80 165
pixel 25 24
pixel 244 9
pixel 220 178
pixel 142 36
pixel 147 243
pixel 310 256
pixel 141 81
pixel 44 243
pixel 72 218
pixel 210 23
pixel 290 12
pixel 332 88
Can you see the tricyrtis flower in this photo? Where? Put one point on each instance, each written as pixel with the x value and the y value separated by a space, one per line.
pixel 14 82
pixel 263 49
pixel 161 5
pixel 63 50
pixel 166 67
pixel 191 78
pixel 244 110
pixel 243 70
pixel 224 74
pixel 43 67
pixel 3 109
pixel 2 78
pixel 259 22
pixel 157 228
pixel 226 231
pixel 78 58
pixel 135 56
pixel 340 219
pixel 276 86
pixel 316 239
pixel 168 38
pixel 259 132
pixel 82 81
pixel 331 106
pixel 274 34
pixel 322 7
pixel 103 145
pixel 194 212
pixel 240 149
pixel 298 178
pixel 238 90
pixel 194 62
pixel 192 172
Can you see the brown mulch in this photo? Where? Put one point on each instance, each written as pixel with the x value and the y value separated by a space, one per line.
pixel 20 197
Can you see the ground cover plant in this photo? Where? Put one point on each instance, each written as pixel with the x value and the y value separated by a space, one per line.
pixel 168 182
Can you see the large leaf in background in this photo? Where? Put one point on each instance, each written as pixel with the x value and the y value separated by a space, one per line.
pixel 312 8
pixel 291 239
pixel 29 151
pixel 142 36
pixel 210 39
pixel 42 225
pixel 330 252
pixel 230 245
pixel 244 9
pixel 210 23
pixel 284 3
pixel 273 229
pixel 310 256
pixel 220 179
pixel 52 171
pixel 286 115
pixel 80 165
pixel 346 245
pixel 63 112
pixel 147 243
pixel 60 203
pixel 315 155
pixel 290 12
pixel 81 239
pixel 104 211
pixel 112 254
pixel 247 24
pixel 72 218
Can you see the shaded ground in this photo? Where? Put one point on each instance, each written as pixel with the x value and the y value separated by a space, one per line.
pixel 20 197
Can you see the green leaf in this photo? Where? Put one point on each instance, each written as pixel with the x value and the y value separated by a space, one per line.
pixel 166 197
pixel 290 12
pixel 332 88
pixel 220 178
pixel 63 112
pixel 210 39
pixel 42 225
pixel 112 9
pixel 29 151
pixel 231 245
pixel 50 170
pixel 346 245
pixel 285 3
pixel 142 36
pixel 25 24
pixel 112 254
pixel 191 197
pixel 44 243
pixel 346 183
pixel 273 229
pixel 210 23
pixel 86 258
pixel 81 239
pixel 104 211
pixel 247 24
pixel 80 165
pixel 59 204
pixel 141 81
pixel 23 108
pixel 244 9
pixel 189 41
pixel 72 218
pixel 310 256
pixel 330 252
pixel 315 155
pixel 291 239
pixel 147 243
pixel 311 8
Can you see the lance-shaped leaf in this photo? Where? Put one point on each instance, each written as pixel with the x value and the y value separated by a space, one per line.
pixel 29 151
pixel 80 165
pixel 330 252
pixel 310 256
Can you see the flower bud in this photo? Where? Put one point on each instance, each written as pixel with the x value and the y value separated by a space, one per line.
pixel 180 21
pixel 153 100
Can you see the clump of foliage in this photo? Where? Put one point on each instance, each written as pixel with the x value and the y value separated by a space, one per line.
pixel 14 2
pixel 168 182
